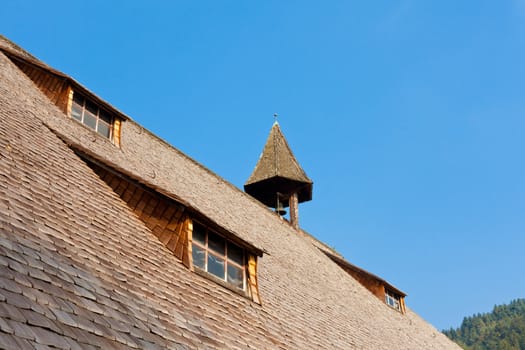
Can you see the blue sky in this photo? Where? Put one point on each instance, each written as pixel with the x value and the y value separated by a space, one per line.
pixel 408 115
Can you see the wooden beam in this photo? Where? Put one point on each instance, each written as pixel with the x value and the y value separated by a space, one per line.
pixel 294 210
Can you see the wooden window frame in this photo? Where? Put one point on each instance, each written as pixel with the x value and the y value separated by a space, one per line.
pixel 227 261
pixel 97 116
pixel 394 300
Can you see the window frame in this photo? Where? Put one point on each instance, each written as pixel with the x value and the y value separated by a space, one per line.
pixel 109 121
pixel 227 261
pixel 393 300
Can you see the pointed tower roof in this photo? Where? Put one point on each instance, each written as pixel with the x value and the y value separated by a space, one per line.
pixel 277 171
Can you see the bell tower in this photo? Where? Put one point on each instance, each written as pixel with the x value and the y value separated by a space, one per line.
pixel 278 181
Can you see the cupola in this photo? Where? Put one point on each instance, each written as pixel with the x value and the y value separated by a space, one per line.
pixel 278 181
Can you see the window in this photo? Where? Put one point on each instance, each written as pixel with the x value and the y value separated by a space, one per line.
pixel 219 257
pixel 393 300
pixel 89 114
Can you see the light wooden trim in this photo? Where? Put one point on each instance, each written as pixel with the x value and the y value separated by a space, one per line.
pixel 252 279
pixel 189 229
pixel 70 93
pixel 117 129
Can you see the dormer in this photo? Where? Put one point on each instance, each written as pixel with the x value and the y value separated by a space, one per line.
pixel 199 243
pixel 71 98
pixel 383 290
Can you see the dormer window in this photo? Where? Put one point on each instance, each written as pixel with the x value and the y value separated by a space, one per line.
pixel 215 254
pixel 219 257
pixel 383 290
pixel 89 114
pixel 393 300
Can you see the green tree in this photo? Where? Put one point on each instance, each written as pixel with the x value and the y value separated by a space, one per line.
pixel 501 329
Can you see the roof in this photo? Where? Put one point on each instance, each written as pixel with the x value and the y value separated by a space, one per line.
pixel 78 270
pixel 278 170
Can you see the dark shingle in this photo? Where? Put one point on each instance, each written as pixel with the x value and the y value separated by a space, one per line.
pixel 10 342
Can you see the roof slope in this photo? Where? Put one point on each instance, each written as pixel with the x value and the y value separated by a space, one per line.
pixel 79 270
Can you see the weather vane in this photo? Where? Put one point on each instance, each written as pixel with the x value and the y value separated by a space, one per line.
pixel 275 115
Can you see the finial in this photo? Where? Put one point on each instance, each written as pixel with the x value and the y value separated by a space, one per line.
pixel 275 115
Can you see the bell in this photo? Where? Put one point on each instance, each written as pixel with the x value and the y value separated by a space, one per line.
pixel 280 209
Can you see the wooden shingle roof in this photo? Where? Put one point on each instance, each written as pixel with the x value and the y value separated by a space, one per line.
pixel 79 270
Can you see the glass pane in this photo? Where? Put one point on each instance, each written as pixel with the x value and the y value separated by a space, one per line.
pixel 105 117
pixel 199 234
pixel 90 120
pixel 78 99
pixel 235 254
pixel 216 266
pixel 91 107
pixel 76 112
pixel 216 243
pixel 235 276
pixel 198 255
pixel 103 128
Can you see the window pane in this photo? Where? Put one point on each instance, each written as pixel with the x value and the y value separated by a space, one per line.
pixel 216 266
pixel 103 128
pixel 235 254
pixel 199 234
pixel 235 276
pixel 105 116
pixel 76 112
pixel 78 99
pixel 91 107
pixel 198 255
pixel 90 120
pixel 216 243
